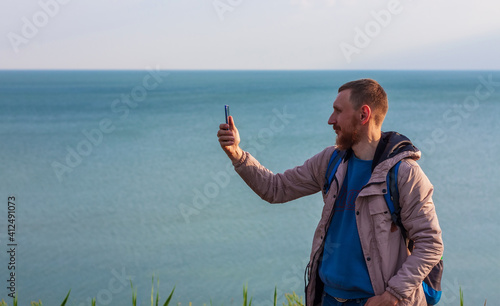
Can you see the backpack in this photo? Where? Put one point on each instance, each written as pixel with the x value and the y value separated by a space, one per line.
pixel 432 283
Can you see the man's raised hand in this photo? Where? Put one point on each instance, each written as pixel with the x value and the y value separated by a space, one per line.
pixel 229 140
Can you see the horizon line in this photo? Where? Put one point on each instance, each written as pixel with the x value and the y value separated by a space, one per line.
pixel 246 70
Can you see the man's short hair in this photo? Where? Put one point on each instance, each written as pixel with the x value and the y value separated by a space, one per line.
pixel 369 92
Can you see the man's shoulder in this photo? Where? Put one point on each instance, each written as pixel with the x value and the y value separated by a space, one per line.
pixel 410 170
pixel 325 153
pixel 409 163
pixel 319 162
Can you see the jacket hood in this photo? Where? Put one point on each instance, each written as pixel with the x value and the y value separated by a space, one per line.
pixel 392 144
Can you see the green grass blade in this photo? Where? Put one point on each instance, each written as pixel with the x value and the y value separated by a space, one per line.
pixel 461 296
pixel 66 299
pixel 169 297
pixel 275 296
pixel 245 293
pixel 158 292
pixel 152 289
pixel 134 294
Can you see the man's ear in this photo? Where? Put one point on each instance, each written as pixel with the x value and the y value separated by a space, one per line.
pixel 365 114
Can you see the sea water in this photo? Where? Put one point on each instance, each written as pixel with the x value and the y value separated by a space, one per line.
pixel 118 177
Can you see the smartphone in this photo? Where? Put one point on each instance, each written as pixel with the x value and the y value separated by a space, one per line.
pixel 226 109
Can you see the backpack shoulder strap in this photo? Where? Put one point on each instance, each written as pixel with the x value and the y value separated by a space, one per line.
pixel 333 165
pixel 392 197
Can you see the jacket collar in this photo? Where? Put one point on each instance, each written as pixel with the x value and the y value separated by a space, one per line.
pixel 392 144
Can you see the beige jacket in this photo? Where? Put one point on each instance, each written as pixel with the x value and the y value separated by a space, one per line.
pixel 389 265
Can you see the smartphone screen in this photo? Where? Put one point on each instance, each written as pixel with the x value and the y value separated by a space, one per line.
pixel 226 108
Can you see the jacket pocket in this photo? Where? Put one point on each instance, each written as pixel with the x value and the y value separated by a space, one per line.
pixel 385 232
pixel 382 220
pixel 387 237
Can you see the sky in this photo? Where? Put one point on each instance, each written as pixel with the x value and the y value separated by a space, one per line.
pixel 250 34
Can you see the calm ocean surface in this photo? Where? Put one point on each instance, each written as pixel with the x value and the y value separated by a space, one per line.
pixel 119 175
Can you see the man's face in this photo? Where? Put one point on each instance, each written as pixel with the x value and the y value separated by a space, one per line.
pixel 344 121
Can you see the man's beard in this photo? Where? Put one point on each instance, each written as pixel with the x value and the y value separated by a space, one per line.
pixel 348 136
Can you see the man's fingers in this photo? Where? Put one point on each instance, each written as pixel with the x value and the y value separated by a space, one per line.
pixel 224 132
pixel 226 140
pixel 226 137
pixel 227 126
pixel 229 139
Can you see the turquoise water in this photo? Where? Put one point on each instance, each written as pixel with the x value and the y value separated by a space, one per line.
pixel 110 188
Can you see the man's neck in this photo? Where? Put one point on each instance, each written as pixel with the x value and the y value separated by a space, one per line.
pixel 365 149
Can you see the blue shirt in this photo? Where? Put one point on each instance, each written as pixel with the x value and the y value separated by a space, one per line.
pixel 343 268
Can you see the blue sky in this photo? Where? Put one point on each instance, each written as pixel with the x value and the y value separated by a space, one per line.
pixel 249 34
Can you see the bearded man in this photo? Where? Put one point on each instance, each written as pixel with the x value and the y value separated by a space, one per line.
pixel 359 256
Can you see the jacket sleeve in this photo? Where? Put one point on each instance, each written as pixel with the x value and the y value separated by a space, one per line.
pixel 283 187
pixel 419 218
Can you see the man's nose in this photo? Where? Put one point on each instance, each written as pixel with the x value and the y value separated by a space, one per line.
pixel 331 120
